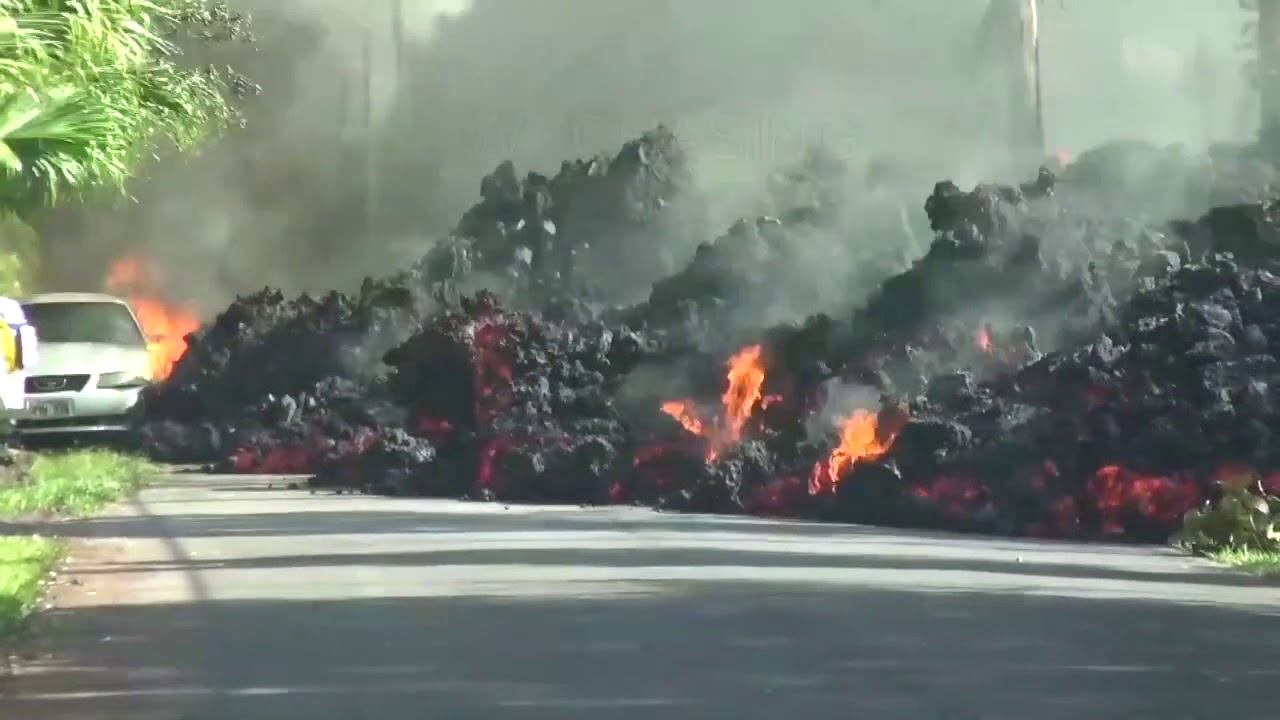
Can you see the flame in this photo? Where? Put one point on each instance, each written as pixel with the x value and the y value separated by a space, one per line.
pixel 746 377
pixel 685 412
pixel 861 437
pixel 746 374
pixel 165 325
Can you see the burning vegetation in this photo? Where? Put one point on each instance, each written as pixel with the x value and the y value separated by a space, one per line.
pixel 1163 373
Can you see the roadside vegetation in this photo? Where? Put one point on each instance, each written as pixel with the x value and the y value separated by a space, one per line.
pixel 24 563
pixel 71 483
pixel 90 91
pixel 40 487
pixel 1257 562
pixel 1240 529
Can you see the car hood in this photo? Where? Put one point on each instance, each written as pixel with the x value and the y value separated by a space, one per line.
pixel 59 358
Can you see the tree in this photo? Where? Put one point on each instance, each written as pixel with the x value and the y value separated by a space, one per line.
pixel 91 88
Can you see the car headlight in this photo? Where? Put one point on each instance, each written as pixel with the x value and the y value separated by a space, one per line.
pixel 121 380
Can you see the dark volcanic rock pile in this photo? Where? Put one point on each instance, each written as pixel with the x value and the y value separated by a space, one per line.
pixel 273 383
pixel 505 404
pixel 543 235
pixel 1117 434
pixel 1119 437
pixel 1039 370
pixel 280 385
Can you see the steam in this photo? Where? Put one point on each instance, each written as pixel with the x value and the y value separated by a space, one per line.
pixel 357 156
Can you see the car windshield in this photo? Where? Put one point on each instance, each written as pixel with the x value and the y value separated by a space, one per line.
pixel 85 322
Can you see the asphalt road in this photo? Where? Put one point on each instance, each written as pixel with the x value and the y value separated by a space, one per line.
pixel 221 598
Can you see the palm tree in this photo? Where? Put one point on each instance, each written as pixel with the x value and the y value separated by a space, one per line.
pixel 88 89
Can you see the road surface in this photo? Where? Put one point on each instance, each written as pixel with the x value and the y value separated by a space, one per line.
pixel 219 598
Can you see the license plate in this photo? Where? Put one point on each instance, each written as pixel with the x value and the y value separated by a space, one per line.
pixel 46 409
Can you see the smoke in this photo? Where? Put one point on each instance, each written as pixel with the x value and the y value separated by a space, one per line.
pixel 841 400
pixel 364 149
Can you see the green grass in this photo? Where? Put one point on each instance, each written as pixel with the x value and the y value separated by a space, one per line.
pixel 65 483
pixel 24 561
pixel 73 483
pixel 1258 562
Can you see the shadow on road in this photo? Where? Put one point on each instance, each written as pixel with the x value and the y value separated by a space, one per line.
pixel 353 608
pixel 680 651
pixel 629 558
pixel 332 514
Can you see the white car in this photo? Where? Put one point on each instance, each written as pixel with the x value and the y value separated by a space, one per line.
pixel 93 362
pixel 20 351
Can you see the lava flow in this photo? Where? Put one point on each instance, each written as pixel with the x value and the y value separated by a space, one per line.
pixel 1161 364
pixel 165 325
pixel 746 373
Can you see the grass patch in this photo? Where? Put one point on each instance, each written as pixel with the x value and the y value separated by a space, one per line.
pixel 1257 562
pixel 73 482
pixel 64 483
pixel 24 561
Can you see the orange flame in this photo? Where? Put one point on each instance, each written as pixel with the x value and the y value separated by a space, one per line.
pixel 861 437
pixel 746 374
pixel 746 377
pixel 685 412
pixel 165 325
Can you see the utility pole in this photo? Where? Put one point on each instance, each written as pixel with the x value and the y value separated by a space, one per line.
pixel 1031 32
pixel 1202 87
pixel 397 37
pixel 1268 63
pixel 371 145
pixel 1009 45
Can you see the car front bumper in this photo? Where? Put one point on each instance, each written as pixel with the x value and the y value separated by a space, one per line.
pixel 92 410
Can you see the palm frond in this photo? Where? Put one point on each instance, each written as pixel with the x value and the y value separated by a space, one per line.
pixel 88 89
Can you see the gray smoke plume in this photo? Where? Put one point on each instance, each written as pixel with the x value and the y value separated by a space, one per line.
pixel 372 134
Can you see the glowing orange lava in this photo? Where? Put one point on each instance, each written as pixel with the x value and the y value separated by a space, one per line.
pixel 746 373
pixel 165 325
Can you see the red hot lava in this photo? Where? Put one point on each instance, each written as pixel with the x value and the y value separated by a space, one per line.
pixel 493 390
pixel 1114 501
pixel 299 459
pixel 1114 498
pixel 1122 495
